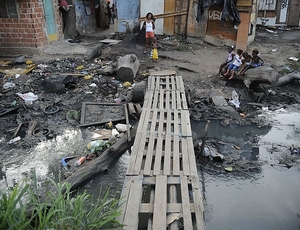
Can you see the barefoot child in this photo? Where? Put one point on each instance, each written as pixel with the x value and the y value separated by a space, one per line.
pixel 246 63
pixel 228 60
pixel 256 60
pixel 154 52
pixel 233 67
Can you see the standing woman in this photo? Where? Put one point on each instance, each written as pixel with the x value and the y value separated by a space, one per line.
pixel 149 26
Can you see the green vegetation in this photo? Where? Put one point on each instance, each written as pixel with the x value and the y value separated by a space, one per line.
pixel 58 209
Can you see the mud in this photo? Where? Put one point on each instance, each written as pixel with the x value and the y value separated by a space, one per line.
pixel 59 91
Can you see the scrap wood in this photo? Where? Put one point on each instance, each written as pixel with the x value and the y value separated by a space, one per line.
pixel 14 71
pixel 166 15
pixel 127 124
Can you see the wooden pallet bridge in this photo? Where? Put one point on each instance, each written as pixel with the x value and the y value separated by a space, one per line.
pixel 161 188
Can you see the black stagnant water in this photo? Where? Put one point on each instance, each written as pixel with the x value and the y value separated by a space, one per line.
pixel 265 197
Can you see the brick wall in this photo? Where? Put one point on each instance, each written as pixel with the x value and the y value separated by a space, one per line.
pixel 27 32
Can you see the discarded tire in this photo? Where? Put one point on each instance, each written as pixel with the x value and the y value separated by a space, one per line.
pixel 50 109
pixel 41 132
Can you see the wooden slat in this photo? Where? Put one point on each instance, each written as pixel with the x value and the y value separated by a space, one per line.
pixel 139 139
pixel 185 157
pixel 198 203
pixel 150 180
pixel 178 100
pixel 160 203
pixel 158 152
pixel 186 210
pixel 124 196
pixel 174 207
pixel 149 157
pixel 192 158
pixel 161 99
pixel 176 160
pixel 167 158
pixel 173 99
pixel 140 155
pixel 131 218
pixel 167 83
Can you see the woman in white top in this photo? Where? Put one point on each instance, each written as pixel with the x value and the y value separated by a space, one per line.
pixel 149 26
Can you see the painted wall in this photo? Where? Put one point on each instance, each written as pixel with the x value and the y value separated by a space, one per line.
pixel 128 14
pixel 85 18
pixel 155 7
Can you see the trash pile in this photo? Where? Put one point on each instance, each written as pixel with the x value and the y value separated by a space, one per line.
pixel 39 100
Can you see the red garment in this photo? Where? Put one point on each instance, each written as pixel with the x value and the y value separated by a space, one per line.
pixel 63 4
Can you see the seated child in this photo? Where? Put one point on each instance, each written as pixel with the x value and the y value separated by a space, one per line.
pixel 154 52
pixel 256 60
pixel 228 60
pixel 233 67
pixel 246 63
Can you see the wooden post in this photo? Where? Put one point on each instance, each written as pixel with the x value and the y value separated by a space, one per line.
pixel 204 139
pixel 242 33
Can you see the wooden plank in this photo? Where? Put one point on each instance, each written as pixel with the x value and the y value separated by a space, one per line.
pixel 176 160
pixel 161 99
pixel 158 152
pixel 185 157
pixel 167 83
pixel 171 207
pixel 131 218
pixel 157 86
pixel 140 137
pixel 180 83
pixel 160 203
pixel 155 101
pixel 140 155
pixel 162 72
pixel 149 157
pixel 166 15
pixel 167 157
pixel 187 218
pixel 173 106
pixel 82 113
pixel 167 101
pixel 198 203
pixel 173 200
pixel 150 180
pixel 124 196
pixel 150 220
pixel 169 24
pixel 127 124
pixel 192 158
pixel 178 100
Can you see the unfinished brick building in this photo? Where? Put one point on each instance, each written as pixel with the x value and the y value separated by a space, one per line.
pixel 28 25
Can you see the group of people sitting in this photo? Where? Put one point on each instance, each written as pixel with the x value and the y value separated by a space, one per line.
pixel 237 64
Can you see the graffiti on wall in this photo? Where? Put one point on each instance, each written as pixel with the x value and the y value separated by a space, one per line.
pixel 284 4
pixel 214 15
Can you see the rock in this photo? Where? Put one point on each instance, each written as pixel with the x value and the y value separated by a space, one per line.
pixel 264 74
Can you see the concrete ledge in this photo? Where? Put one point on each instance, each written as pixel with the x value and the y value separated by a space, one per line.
pixel 15 52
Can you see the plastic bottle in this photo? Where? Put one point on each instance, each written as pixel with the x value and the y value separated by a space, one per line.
pixel 80 161
pixel 98 145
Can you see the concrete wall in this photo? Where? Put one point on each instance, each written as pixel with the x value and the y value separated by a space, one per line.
pixel 128 14
pixel 85 24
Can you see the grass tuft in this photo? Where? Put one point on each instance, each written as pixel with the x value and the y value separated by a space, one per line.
pixel 21 209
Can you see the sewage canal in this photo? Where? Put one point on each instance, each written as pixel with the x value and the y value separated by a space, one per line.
pixel 263 194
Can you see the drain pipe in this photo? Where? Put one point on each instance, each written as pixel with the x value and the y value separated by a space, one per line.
pixel 204 139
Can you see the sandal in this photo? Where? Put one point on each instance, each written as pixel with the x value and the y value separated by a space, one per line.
pixel 145 51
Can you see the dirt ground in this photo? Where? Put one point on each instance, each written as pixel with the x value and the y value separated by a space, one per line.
pixel 198 63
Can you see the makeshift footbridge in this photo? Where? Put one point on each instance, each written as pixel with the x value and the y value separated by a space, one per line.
pixel 162 188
